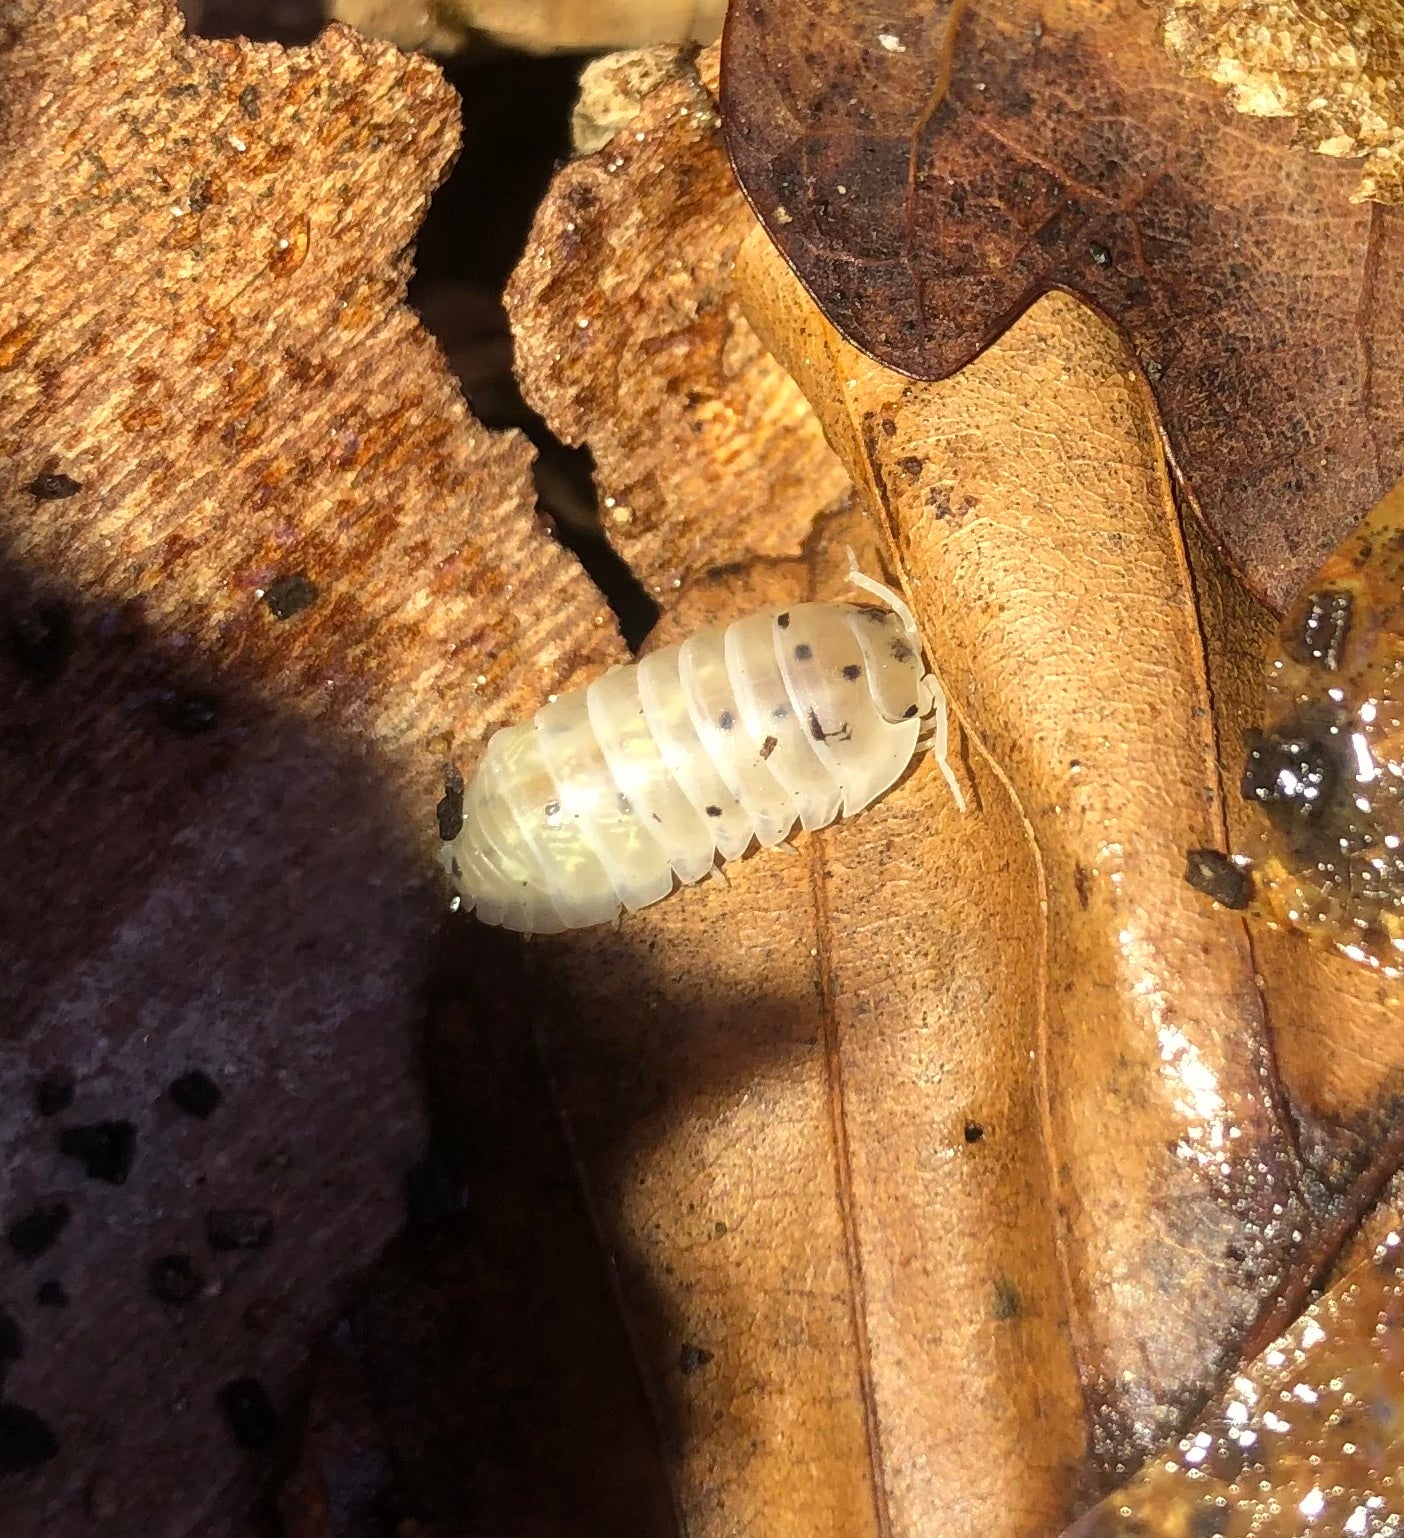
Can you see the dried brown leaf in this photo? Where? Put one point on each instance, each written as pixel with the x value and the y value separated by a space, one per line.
pixel 1028 505
pixel 1338 70
pixel 1309 1438
pixel 930 170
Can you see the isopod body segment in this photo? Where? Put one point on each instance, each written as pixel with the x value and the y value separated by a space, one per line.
pixel 610 794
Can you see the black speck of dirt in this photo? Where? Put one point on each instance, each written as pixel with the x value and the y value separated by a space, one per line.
pixel 816 728
pixel 692 1359
pixel 1006 1299
pixel 1100 254
pixel 719 1229
pixel 105 1149
pixel 248 103
pixel 51 1294
pixel 783 620
pixel 196 1093
pixel 714 811
pixel 1082 884
pixel 726 720
pixel 239 1228
pixel 1212 872
pixel 909 464
pixel 973 1132
pixel 250 1414
pixel 1155 370
pixel 11 1341
pixel 173 1279
pixel 804 652
pixel 769 746
pixel 290 595
pixel 449 811
pixel 26 1439
pixel 41 641
pixel 36 1231
pixel 188 715
pixel 909 712
pixel 1320 637
pixel 55 1092
pixel 434 1190
pixel 54 486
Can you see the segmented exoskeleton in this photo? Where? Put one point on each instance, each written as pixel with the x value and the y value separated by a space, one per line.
pixel 611 793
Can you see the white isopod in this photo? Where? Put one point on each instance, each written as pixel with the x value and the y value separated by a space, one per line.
pixel 610 792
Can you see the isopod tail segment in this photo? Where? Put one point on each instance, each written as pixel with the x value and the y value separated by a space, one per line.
pixel 933 700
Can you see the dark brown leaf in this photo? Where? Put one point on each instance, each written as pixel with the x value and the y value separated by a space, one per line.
pixel 929 170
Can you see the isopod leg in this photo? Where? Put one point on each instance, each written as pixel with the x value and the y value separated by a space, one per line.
pixel 934 704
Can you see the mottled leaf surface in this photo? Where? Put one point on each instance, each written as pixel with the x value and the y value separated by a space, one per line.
pixel 929 170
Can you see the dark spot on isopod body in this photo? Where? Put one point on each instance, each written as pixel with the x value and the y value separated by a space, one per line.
pixel 55 1092
pixel 248 102
pixel 769 746
pixel 902 650
pixel 1081 884
pixel 726 720
pixel 105 1149
pixel 553 809
pixel 889 427
pixel 804 652
pixel 449 812
pixel 26 1439
pixel 973 1132
pixel 1212 872
pixel 195 1092
pixel 37 1230
pixel 250 1414
pixel 852 671
pixel 783 620
pixel 909 464
pixel 692 1359
pixel 290 595
pixel 173 1279
pixel 51 1294
pixel 781 713
pixel 53 486
pixel 625 805
pixel 1100 255
pixel 909 712
pixel 714 811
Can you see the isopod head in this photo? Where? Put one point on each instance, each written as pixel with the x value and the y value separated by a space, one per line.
pixel 1326 772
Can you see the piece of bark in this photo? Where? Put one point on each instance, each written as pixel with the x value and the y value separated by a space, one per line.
pixel 219 845
pixel 929 171
pixel 629 337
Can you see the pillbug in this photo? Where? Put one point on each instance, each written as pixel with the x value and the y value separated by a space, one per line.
pixel 1326 772
pixel 611 794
